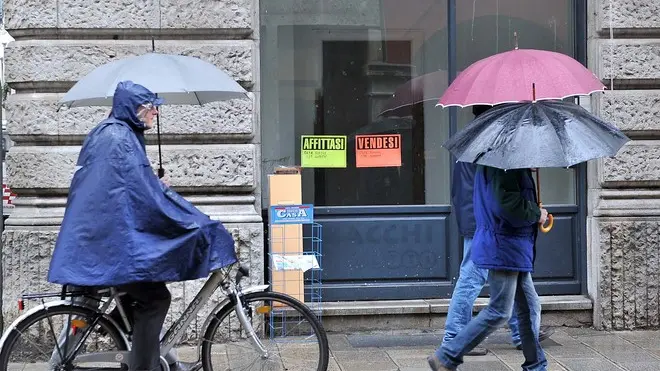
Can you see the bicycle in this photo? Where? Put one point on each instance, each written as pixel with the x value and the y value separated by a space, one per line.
pixel 263 319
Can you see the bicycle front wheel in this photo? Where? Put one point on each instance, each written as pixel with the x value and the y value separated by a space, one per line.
pixel 292 335
pixel 47 339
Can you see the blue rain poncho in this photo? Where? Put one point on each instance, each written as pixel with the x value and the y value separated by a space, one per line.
pixel 121 224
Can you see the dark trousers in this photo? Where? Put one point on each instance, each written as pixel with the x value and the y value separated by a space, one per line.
pixel 146 304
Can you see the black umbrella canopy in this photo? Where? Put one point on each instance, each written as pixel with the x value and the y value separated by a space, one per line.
pixel 536 135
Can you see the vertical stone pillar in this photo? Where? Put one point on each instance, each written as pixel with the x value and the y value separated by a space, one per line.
pixel 624 193
pixel 211 153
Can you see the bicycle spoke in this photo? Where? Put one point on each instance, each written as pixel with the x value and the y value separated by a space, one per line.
pixel 56 348
pixel 35 344
pixel 66 339
pixel 299 322
pixel 57 344
pixel 250 365
pixel 248 347
pixel 278 321
pixel 85 336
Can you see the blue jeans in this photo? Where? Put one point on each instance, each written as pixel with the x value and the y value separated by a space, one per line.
pixel 506 288
pixel 470 282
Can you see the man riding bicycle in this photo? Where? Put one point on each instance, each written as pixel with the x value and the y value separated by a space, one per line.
pixel 125 228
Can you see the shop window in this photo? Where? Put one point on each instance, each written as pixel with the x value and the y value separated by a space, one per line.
pixel 331 67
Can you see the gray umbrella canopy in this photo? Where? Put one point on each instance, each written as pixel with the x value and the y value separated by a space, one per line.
pixel 175 78
pixel 536 135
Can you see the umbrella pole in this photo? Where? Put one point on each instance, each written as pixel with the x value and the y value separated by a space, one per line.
pixel 161 171
pixel 551 219
pixel 538 187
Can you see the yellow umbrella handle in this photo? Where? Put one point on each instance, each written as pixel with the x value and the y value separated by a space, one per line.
pixel 549 223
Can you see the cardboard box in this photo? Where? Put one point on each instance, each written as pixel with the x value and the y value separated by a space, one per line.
pixel 285 187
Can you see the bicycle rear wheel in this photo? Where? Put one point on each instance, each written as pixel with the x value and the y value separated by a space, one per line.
pixel 290 332
pixel 38 341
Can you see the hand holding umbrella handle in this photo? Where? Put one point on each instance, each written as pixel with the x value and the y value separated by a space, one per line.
pixel 550 222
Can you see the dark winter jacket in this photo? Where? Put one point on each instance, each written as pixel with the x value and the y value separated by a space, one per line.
pixel 506 214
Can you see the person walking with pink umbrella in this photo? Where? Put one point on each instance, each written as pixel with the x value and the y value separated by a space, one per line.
pixel 506 205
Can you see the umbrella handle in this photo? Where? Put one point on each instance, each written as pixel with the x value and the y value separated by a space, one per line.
pixel 549 223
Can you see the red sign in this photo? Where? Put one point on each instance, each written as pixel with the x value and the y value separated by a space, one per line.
pixel 378 150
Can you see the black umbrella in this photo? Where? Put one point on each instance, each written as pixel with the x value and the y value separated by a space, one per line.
pixel 527 135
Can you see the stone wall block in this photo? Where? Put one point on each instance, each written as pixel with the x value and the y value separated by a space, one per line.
pixel 139 14
pixel 235 57
pixel 629 273
pixel 629 59
pixel 628 14
pixel 640 282
pixel 636 165
pixel 605 284
pixel 207 14
pixel 628 252
pixel 227 117
pixel 230 165
pixel 224 165
pixel 36 114
pixel 28 115
pixel 41 167
pixel 652 264
pixel 48 60
pixel 30 14
pixel 632 110
pixel 617 265
pixel 250 242
pixel 65 60
pixel 108 14
pixel 25 262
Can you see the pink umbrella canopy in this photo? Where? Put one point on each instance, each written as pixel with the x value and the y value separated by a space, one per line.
pixel 508 78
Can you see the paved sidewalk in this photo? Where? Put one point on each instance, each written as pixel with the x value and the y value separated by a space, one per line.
pixel 568 349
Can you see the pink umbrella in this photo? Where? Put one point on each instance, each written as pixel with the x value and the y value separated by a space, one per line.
pixel 508 78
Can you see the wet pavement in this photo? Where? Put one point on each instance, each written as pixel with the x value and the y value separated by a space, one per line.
pixel 576 349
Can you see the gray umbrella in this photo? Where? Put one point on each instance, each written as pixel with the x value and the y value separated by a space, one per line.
pixel 175 78
pixel 549 133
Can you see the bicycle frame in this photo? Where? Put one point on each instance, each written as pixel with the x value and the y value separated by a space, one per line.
pixel 177 330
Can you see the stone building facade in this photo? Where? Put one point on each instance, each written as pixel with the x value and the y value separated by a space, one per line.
pixel 212 153
pixel 624 199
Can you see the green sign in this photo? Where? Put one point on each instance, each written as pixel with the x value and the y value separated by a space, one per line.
pixel 323 151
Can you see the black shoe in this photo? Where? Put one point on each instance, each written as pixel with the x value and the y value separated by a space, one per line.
pixel 544 334
pixel 435 363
